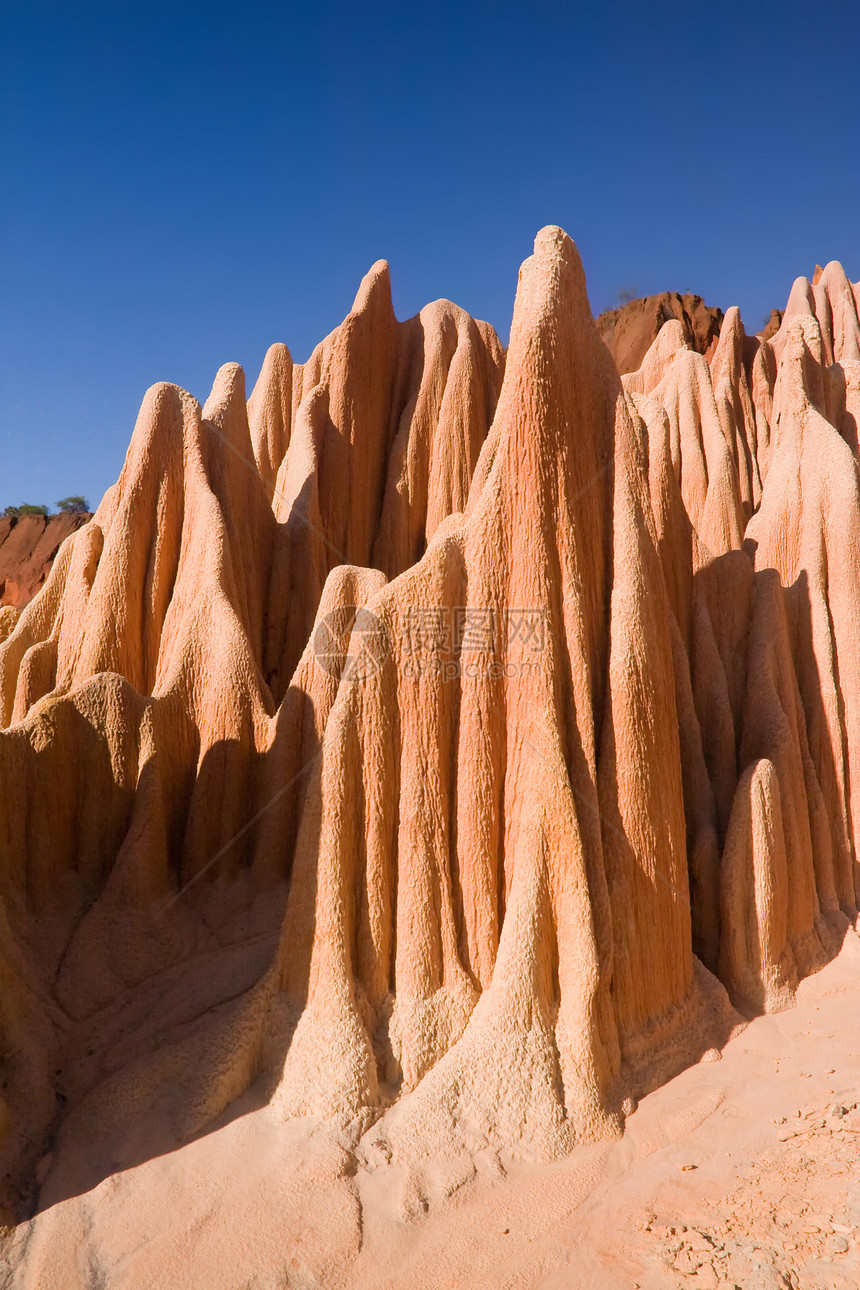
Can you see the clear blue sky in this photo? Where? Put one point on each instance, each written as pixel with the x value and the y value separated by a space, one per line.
pixel 185 183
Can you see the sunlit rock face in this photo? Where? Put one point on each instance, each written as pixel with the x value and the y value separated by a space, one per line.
pixel 629 330
pixel 449 744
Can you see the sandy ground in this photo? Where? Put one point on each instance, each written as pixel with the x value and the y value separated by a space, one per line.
pixel 743 1171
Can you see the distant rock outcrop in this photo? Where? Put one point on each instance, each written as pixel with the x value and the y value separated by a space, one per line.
pixel 28 546
pixel 629 330
pixel 451 745
pixel 772 325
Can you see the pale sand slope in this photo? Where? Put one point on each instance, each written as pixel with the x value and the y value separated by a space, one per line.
pixel 743 1171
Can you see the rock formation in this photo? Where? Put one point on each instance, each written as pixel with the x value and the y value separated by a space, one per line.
pixel 772 326
pixel 28 546
pixel 629 330
pixel 450 746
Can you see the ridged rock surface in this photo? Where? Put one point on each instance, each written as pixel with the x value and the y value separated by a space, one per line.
pixel 446 746
pixel 629 330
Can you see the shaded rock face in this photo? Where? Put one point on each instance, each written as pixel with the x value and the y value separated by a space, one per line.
pixel 772 325
pixel 27 549
pixel 447 746
pixel 629 331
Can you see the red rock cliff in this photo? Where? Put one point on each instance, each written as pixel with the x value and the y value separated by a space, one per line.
pixel 27 549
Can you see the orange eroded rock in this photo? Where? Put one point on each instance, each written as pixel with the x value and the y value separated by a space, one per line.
pixel 439 743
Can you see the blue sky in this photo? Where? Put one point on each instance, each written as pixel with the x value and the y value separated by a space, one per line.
pixel 186 183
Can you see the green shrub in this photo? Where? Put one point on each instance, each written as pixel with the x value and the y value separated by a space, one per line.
pixel 17 512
